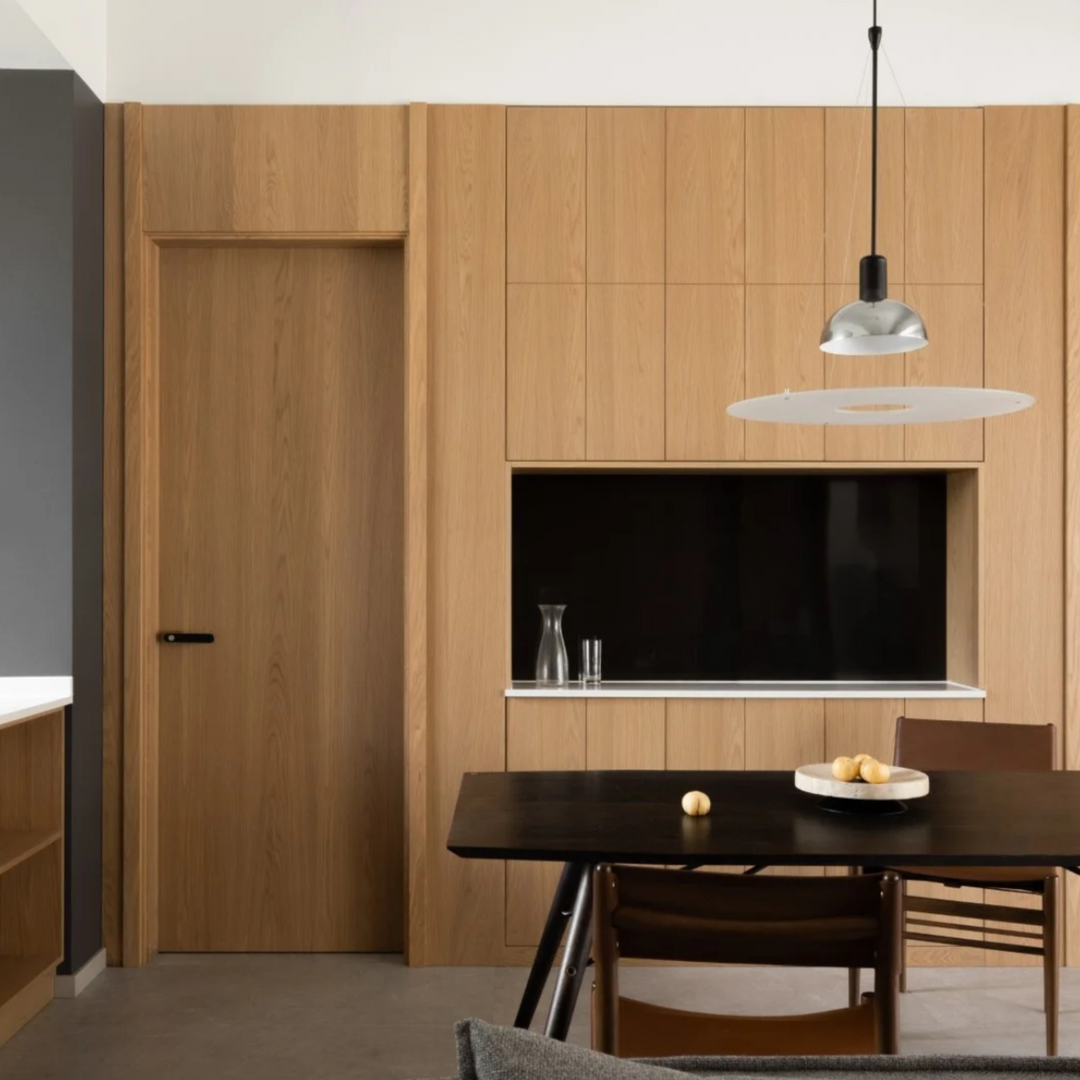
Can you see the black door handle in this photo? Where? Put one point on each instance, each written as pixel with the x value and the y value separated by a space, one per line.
pixel 178 637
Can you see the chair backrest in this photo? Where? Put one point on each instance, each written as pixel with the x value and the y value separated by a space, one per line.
pixel 705 917
pixel 962 746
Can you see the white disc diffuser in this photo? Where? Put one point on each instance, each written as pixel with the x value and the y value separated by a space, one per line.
pixel 877 405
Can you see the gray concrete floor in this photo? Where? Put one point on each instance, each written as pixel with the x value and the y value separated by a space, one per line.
pixel 361 1017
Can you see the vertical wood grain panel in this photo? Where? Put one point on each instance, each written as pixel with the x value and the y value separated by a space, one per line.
pixel 545 372
pixel 625 373
pixel 847 192
pixel 964 636
pixel 625 195
pixel 1072 492
pixel 783 325
pixel 545 194
pixel 883 442
pixel 706 733
pixel 416 542
pixel 540 734
pixel 112 577
pixel 784 733
pixel 281 532
pixel 861 726
pixel 625 733
pixel 944 196
pixel 706 241
pixel 705 371
pixel 468 508
pixel 785 196
pixel 945 709
pixel 954 319
pixel 1024 519
pixel 276 168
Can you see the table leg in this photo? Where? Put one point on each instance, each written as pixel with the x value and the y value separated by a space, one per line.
pixel 575 959
pixel 562 904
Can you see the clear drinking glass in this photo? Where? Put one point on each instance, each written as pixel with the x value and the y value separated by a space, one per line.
pixel 590 661
pixel 552 664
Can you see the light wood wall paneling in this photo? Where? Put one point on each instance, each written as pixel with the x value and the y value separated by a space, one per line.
pixel 944 196
pixel 848 442
pixel 625 373
pixel 785 196
pixel 1024 515
pixel 259 168
pixel 112 578
pixel 783 325
pixel 847 192
pixel 540 734
pixel 861 726
pixel 954 357
pixel 468 509
pixel 141 396
pixel 625 205
pixel 964 603
pixel 545 195
pixel 706 169
pixel 545 372
pixel 784 733
pixel 706 733
pixel 705 370
pixel 625 733
pixel 1072 490
pixel 415 432
pixel 1025 350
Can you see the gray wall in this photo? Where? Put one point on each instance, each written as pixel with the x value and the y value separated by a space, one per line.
pixel 51 304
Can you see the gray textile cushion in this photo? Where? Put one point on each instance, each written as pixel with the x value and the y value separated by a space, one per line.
pixel 487 1052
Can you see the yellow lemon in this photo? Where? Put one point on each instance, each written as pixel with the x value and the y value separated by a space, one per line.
pixel 696 803
pixel 843 768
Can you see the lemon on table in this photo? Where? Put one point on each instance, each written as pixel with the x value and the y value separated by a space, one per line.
pixel 696 803
pixel 845 768
pixel 860 758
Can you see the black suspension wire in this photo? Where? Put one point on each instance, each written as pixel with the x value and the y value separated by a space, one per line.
pixel 875 42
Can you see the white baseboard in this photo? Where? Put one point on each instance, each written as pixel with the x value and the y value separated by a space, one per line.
pixel 71 986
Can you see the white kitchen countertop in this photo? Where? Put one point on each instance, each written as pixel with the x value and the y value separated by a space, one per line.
pixel 832 689
pixel 21 697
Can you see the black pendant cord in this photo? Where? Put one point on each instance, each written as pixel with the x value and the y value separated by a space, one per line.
pixel 875 42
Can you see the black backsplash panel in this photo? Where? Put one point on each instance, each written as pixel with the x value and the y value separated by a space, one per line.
pixel 725 576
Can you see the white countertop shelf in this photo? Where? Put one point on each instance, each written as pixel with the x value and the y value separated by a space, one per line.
pixel 832 689
pixel 21 697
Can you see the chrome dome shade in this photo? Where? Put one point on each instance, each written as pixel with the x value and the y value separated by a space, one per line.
pixel 873 329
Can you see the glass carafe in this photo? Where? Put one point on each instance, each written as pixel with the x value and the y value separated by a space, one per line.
pixel 552 665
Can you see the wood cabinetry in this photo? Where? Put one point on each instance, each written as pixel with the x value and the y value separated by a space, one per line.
pixel 706 733
pixel 784 733
pixel 545 195
pixel 783 324
pixel 706 168
pixel 625 205
pixel 785 196
pixel 545 372
pixel 954 357
pixel 625 373
pixel 705 366
pixel 31 865
pixel 944 196
pixel 625 733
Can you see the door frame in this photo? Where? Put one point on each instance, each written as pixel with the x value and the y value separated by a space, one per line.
pixel 131 562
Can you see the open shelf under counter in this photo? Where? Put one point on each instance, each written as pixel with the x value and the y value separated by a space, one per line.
pixel 930 689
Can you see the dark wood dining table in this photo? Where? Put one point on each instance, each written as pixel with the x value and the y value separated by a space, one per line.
pixel 758 819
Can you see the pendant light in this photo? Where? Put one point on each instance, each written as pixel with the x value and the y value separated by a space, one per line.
pixel 874 325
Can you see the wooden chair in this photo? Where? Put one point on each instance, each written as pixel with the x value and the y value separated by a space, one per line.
pixel 727 918
pixel 958 745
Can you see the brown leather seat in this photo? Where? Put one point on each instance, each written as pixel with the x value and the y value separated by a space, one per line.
pixel 954 745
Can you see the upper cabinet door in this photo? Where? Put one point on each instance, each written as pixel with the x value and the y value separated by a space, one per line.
pixel 545 195
pixel 944 196
pixel 847 192
pixel 706 166
pixel 626 195
pixel 785 196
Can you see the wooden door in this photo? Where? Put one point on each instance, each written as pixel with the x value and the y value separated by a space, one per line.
pixel 281 479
